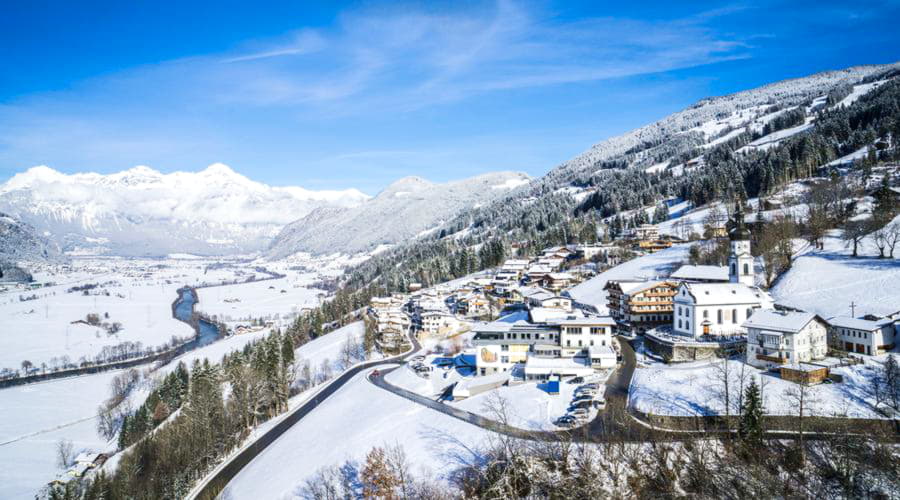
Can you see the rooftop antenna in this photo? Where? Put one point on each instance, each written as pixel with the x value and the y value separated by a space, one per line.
pixel 852 309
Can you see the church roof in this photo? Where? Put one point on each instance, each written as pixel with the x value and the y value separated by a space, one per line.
pixel 690 272
pixel 707 294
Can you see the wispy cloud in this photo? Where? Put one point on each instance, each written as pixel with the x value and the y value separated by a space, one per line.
pixel 405 60
pixel 370 62
pixel 303 42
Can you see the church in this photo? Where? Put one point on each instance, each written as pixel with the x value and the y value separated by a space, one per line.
pixel 720 309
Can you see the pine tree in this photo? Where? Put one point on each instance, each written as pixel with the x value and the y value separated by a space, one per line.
pixel 751 425
pixel 287 351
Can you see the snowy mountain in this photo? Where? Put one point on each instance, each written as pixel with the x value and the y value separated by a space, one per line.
pixel 143 212
pixel 408 208
pixel 738 143
pixel 20 242
pixel 712 120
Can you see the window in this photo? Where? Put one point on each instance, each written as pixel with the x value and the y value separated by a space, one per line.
pixel 568 343
pixel 733 268
pixel 749 312
pixel 687 312
pixel 720 316
pixel 579 343
pixel 734 316
pixel 596 330
pixel 706 314
pixel 504 347
pixel 679 323
pixel 504 359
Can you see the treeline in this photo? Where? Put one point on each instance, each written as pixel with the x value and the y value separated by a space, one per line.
pixel 161 402
pixel 210 422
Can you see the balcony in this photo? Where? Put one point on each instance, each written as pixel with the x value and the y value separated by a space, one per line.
pixel 771 359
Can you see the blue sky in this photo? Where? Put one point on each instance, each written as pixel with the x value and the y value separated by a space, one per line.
pixel 327 95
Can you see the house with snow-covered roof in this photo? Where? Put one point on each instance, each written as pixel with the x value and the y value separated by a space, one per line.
pixel 776 338
pixel 701 274
pixel 718 309
pixel 862 336
pixel 553 335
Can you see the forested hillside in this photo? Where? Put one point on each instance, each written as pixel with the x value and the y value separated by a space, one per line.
pixel 739 146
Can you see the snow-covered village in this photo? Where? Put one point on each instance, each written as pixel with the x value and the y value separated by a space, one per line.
pixel 697 298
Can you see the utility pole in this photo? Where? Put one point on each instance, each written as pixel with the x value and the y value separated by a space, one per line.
pixel 852 309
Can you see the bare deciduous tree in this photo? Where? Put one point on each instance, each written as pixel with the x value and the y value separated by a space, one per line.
pixel 65 453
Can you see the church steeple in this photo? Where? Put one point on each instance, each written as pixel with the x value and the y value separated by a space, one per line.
pixel 740 261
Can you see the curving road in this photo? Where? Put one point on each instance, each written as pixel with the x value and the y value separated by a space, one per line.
pixel 612 420
pixel 214 482
pixel 616 421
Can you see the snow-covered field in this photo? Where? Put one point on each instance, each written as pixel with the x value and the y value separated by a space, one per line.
pixel 137 294
pixel 827 281
pixel 35 417
pixel 141 293
pixel 693 389
pixel 344 428
pixel 279 300
pixel 660 263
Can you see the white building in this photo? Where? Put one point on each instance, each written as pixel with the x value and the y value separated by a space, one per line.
pixel 539 297
pixel 715 308
pixel 862 336
pixel 438 322
pixel 775 338
pixel 577 334
pixel 722 308
pixel 545 333
pixel 645 232
pixel 740 261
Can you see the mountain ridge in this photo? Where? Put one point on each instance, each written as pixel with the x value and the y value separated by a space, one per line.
pixel 407 208
pixel 141 211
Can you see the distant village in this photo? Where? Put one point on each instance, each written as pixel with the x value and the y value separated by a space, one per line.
pixel 521 323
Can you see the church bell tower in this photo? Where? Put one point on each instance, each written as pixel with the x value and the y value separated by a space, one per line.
pixel 740 261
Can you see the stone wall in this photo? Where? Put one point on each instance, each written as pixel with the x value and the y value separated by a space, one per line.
pixel 672 351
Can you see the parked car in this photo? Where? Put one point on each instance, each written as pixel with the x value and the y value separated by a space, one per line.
pixel 580 413
pixel 581 405
pixel 592 385
pixel 576 380
pixel 583 397
pixel 586 392
pixel 565 421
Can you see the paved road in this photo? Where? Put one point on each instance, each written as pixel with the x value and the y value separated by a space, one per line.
pixel 616 421
pixel 612 420
pixel 216 481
